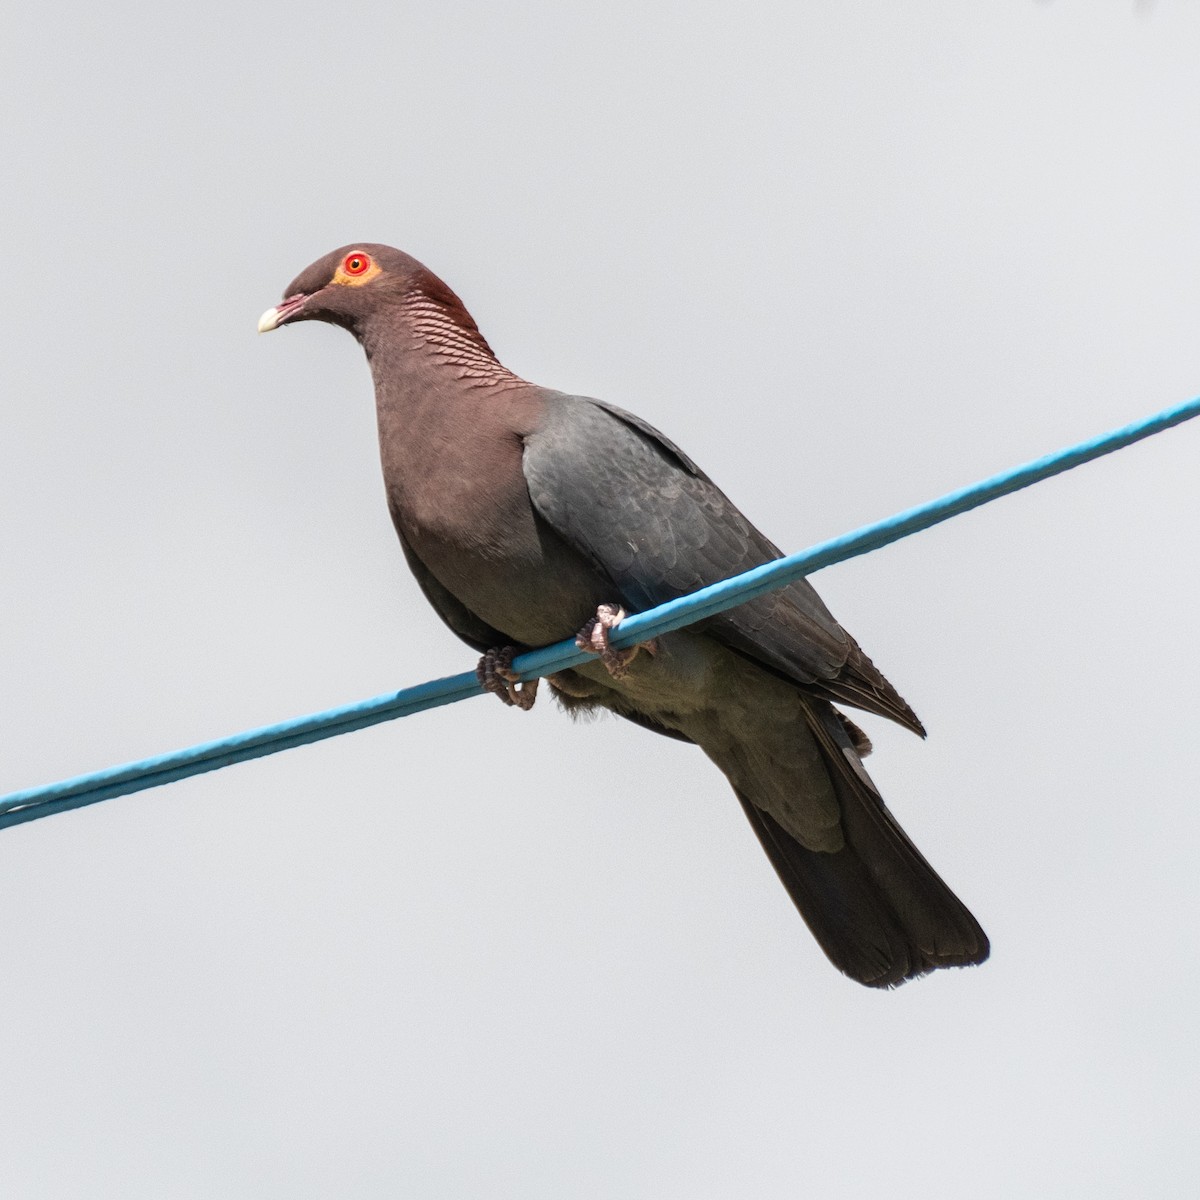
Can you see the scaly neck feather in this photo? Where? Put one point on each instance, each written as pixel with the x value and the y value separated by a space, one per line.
pixel 429 331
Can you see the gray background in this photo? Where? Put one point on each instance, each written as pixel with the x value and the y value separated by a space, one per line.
pixel 851 255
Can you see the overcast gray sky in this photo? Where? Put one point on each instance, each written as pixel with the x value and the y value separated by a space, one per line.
pixel 851 256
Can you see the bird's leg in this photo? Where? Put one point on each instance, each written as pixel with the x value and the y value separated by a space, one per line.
pixel 594 637
pixel 495 675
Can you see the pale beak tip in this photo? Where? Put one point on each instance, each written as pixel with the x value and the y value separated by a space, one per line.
pixel 269 320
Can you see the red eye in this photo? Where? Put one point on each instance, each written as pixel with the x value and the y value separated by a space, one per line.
pixel 356 264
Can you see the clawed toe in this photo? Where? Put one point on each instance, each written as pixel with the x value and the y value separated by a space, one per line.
pixel 495 675
pixel 593 637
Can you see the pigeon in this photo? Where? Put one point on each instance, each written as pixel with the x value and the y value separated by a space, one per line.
pixel 528 516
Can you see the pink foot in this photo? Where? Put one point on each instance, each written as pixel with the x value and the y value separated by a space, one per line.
pixel 594 637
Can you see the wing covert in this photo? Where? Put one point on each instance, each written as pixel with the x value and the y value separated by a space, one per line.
pixel 643 513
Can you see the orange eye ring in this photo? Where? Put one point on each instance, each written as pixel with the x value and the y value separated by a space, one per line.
pixel 357 264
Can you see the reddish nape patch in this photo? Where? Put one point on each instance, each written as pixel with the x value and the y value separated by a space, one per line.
pixel 441 323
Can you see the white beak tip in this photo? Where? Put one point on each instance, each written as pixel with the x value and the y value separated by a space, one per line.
pixel 269 320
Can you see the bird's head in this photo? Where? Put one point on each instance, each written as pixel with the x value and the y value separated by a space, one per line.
pixel 393 305
pixel 347 287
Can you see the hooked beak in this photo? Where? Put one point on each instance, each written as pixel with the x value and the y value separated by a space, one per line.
pixel 281 313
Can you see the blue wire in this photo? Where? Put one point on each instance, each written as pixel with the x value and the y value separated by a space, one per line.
pixel 29 805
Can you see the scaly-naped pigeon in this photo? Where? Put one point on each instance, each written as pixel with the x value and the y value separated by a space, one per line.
pixel 529 516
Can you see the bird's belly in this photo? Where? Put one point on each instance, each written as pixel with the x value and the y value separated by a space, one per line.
pixel 533 589
pixel 749 722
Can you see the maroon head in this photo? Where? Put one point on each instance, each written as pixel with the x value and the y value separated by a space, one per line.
pixel 357 285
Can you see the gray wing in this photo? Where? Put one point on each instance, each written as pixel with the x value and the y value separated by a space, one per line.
pixel 631 501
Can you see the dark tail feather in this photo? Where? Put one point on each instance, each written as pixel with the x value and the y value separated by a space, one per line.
pixel 877 908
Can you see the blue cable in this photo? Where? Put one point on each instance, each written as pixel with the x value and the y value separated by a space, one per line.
pixel 29 805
